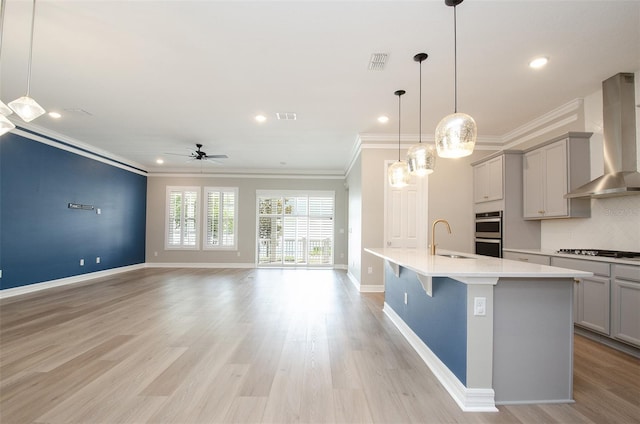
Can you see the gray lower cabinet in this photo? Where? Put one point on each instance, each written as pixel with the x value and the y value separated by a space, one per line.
pixel 591 295
pixel 625 295
pixel 527 257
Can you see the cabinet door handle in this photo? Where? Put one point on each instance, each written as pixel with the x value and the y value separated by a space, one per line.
pixel 577 280
pixel 540 212
pixel 523 259
pixel 486 197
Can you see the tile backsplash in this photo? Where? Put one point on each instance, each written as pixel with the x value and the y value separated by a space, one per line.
pixel 614 225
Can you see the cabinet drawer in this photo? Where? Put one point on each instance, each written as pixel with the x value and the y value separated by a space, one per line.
pixel 627 272
pixel 528 257
pixel 598 268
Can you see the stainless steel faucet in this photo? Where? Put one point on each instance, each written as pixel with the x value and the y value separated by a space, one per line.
pixel 433 233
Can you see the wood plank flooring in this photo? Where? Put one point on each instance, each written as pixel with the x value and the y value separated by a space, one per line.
pixel 248 346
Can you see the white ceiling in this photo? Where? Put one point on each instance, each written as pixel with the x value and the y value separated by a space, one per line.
pixel 159 76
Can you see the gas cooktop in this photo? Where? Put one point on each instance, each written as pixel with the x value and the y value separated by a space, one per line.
pixel 600 252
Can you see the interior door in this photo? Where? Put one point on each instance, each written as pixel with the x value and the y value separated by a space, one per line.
pixel 405 214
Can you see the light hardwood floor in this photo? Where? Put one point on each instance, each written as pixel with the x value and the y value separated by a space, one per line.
pixel 267 345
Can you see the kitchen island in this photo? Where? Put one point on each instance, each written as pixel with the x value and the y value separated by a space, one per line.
pixel 493 331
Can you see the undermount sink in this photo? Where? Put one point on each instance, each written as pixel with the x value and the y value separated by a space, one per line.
pixel 446 255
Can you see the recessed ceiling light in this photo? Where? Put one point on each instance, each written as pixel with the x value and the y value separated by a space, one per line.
pixel 538 62
pixel 383 119
pixel 55 115
pixel 261 118
pixel 159 161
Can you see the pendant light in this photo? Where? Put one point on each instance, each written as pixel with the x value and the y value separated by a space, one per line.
pixel 5 124
pixel 421 158
pixel 456 133
pixel 398 172
pixel 25 107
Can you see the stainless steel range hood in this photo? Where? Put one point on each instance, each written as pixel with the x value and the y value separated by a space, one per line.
pixel 621 175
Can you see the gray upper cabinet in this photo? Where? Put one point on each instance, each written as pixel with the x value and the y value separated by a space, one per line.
pixel 550 171
pixel 487 180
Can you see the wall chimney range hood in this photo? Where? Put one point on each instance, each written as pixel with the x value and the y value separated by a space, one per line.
pixel 621 175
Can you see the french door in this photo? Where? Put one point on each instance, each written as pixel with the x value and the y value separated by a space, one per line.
pixel 295 228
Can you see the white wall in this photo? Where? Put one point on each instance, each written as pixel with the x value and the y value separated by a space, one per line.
pixel 354 184
pixel 156 198
pixel 614 222
pixel 450 197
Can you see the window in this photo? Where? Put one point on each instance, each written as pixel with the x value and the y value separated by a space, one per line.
pixel 295 228
pixel 221 217
pixel 182 218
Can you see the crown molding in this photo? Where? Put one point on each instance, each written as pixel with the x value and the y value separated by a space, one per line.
pixel 71 145
pixel 542 123
pixel 302 175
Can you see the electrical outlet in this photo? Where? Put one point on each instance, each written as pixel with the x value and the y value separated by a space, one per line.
pixel 479 306
pixel 238 254
pixel 98 259
pixel 155 253
pixel 370 270
pixel 81 262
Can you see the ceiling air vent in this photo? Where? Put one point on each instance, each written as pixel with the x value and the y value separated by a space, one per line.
pixel 286 116
pixel 377 61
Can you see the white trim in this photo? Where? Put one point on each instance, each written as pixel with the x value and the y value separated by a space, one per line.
pixel 469 400
pixel 341 267
pixel 246 265
pixel 542 131
pixel 370 288
pixel 353 280
pixel 30 288
pixel 109 159
pixel 543 120
pixel 263 174
pixel 536 402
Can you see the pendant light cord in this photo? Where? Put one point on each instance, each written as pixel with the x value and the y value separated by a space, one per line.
pixel 455 63
pixel 33 18
pixel 420 107
pixel 399 115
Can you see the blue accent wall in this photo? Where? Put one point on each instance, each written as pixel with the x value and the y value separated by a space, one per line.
pixel 41 239
pixel 440 321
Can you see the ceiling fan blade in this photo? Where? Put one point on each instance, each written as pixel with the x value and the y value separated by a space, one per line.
pixel 218 156
pixel 176 154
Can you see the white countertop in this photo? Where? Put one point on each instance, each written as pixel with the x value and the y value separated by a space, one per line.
pixel 422 262
pixel 544 252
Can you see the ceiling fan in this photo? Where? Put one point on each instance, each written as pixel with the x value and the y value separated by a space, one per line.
pixel 200 154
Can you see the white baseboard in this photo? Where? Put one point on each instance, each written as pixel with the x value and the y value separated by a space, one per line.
pixel 66 281
pixel 199 265
pixel 342 267
pixel 364 288
pixel 469 400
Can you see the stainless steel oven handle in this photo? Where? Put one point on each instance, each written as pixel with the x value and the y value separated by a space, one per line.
pixel 489 241
pixel 488 235
pixel 488 219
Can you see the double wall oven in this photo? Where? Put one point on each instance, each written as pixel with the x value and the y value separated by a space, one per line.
pixel 488 234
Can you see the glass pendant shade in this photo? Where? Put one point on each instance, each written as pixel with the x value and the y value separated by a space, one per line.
pixel 5 125
pixel 26 108
pixel 4 109
pixel 421 159
pixel 456 136
pixel 398 174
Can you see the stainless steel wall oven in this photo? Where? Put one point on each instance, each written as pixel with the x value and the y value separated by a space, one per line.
pixel 488 234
